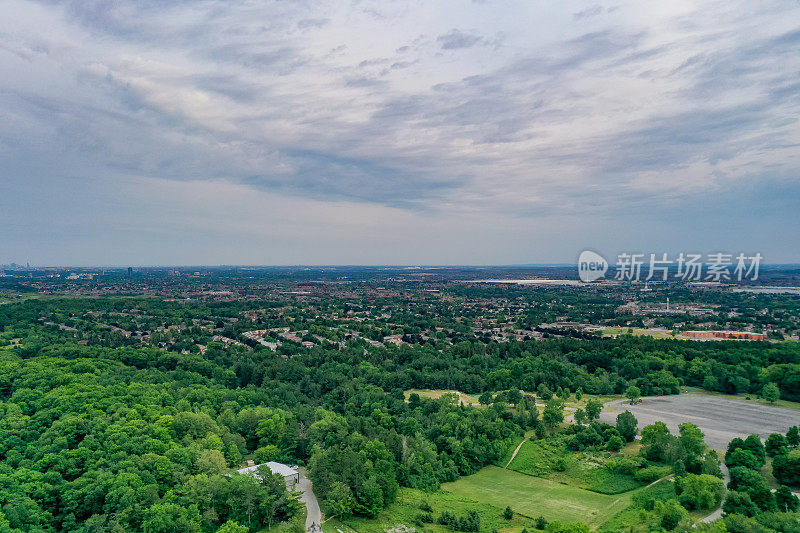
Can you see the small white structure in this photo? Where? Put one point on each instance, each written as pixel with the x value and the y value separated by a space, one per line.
pixel 291 474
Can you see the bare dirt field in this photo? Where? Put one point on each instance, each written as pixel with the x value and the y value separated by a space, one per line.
pixel 721 419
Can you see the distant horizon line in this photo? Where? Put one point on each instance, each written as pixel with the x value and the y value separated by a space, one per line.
pixel 296 265
pixel 17 266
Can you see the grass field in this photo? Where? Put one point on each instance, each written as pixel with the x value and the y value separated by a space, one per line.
pixel 613 331
pixel 466 399
pixel 489 492
pixel 536 458
pixel 534 496
pixel 663 490
pixel 407 508
pixel 581 470
pixel 507 457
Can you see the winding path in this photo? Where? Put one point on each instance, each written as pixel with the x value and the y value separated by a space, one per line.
pixel 716 515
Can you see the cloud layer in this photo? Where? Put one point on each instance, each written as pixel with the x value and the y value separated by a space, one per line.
pixel 386 125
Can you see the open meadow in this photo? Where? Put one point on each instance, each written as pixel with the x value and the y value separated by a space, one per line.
pixel 551 460
pixel 488 492
pixel 408 508
pixel 534 496
pixel 435 394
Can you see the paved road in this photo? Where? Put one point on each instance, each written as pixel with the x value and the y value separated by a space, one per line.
pixel 309 498
pixel 716 515
pixel 721 419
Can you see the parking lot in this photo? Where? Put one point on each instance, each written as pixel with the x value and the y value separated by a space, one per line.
pixel 721 419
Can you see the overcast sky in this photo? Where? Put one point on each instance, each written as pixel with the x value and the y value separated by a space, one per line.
pixel 439 132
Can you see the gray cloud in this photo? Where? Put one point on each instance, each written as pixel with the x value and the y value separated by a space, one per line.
pixel 592 11
pixel 455 39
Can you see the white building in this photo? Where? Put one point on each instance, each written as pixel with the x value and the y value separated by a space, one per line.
pixel 291 474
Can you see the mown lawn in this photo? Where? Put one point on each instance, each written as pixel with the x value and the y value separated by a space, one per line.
pixel 488 492
pixel 533 496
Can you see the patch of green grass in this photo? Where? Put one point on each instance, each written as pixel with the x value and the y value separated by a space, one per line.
pixel 595 478
pixel 613 331
pixel 514 442
pixel 766 472
pixel 435 394
pixel 333 525
pixel 662 490
pixel 532 496
pixel 407 508
pixel 583 470
pixel 491 489
pixel 537 457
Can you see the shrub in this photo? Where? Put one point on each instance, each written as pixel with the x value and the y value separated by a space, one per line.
pixel 771 393
pixel 738 523
pixel 652 473
pixel 671 513
pixel 627 425
pixel 625 465
pixel 614 444
pixel 447 519
pixel 267 453
pixel 471 523
pixel 739 503
pixel 700 491
pixel 776 445
pixel 561 527
pixel 786 468
pixel 793 436
pixel 749 481
pixel 744 458
pixel 786 500
pixel 423 518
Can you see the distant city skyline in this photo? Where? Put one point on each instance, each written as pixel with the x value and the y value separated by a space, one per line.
pixel 185 268
pixel 418 133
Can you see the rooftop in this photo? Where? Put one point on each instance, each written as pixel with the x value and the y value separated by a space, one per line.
pixel 277 468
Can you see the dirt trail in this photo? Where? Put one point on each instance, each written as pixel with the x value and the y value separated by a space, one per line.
pixel 515 452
